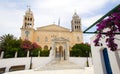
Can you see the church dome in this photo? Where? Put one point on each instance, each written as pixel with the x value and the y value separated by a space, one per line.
pixel 75 16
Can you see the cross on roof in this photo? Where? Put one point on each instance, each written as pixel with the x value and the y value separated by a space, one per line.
pixel 28 6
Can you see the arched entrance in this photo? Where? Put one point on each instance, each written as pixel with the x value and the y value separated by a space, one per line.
pixel 59 53
pixel 60 49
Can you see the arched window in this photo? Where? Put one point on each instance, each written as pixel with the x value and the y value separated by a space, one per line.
pixel 46 47
pixel 30 19
pixel 77 27
pixel 27 33
pixel 25 18
pixel 38 39
pixel 78 39
pixel 46 39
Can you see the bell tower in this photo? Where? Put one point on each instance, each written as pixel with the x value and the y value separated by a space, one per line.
pixel 76 23
pixel 28 21
pixel 76 29
pixel 27 29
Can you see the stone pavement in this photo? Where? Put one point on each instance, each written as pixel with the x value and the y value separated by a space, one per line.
pixel 67 71
pixel 59 67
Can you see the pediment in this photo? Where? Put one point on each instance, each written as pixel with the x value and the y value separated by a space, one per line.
pixel 52 27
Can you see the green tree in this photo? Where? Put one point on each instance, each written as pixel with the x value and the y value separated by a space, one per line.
pixel 9 44
pixel 81 50
pixel 45 52
pixel 35 49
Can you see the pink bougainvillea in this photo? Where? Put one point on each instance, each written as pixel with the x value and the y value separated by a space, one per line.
pixel 27 45
pixel 35 45
pixel 112 22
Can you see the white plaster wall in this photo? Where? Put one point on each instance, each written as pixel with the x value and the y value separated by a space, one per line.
pixel 81 61
pixel 98 62
pixel 39 62
pixel 36 61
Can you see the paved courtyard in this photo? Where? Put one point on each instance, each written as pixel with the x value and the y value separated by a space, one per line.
pixel 60 67
pixel 66 71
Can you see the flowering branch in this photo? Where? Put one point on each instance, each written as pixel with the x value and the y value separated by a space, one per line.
pixel 112 22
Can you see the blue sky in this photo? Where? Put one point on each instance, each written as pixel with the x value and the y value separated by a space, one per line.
pixel 48 11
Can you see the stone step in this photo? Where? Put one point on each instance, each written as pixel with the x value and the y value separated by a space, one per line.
pixel 59 65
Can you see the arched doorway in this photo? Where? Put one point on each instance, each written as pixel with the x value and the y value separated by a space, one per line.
pixel 106 61
pixel 60 49
pixel 59 53
pixel 46 47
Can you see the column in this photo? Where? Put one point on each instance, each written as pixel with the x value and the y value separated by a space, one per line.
pixel 16 53
pixel 52 52
pixel 39 53
pixel 28 53
pixel 2 54
pixel 67 49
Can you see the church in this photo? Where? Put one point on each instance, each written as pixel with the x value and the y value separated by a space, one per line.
pixel 45 35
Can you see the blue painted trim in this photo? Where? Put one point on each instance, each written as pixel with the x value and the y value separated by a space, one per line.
pixel 107 62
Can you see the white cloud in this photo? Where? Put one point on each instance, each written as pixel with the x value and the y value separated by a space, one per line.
pixel 86 22
pixel 82 6
pixel 11 21
pixel 87 37
pixel 46 12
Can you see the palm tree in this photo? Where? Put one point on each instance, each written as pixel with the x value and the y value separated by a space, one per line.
pixel 9 44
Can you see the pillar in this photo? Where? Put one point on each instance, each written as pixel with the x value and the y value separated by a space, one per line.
pixel 67 50
pixel 39 53
pixel 2 54
pixel 16 54
pixel 28 53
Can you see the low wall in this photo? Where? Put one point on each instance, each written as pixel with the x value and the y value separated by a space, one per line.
pixel 39 62
pixel 81 61
pixel 36 62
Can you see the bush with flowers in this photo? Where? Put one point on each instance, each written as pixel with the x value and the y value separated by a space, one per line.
pixel 112 22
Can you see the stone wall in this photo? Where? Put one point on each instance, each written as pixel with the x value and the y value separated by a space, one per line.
pixel 81 61
pixel 39 62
